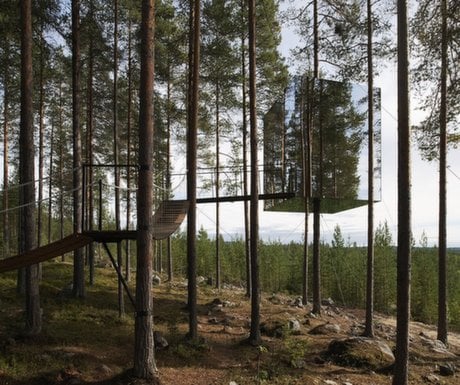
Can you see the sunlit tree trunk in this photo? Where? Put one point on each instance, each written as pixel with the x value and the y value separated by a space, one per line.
pixel 27 171
pixel 144 357
pixel 79 263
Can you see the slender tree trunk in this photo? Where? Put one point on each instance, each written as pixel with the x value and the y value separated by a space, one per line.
pixel 79 263
pixel 442 252
pixel 316 279
pixel 369 328
pixel 128 155
pixel 218 262
pixel 41 132
pixel 168 167
pixel 401 367
pixel 144 358
pixel 89 147
pixel 50 182
pixel 245 156
pixel 6 176
pixel 26 171
pixel 254 336
pixel 194 68
pixel 306 156
pixel 61 168
pixel 121 304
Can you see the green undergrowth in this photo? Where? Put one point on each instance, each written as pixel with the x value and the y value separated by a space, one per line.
pixel 81 333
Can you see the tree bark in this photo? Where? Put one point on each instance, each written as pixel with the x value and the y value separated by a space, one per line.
pixel 401 367
pixel 6 176
pixel 144 358
pixel 79 263
pixel 27 171
pixel 245 156
pixel 121 303
pixel 369 327
pixel 254 336
pixel 194 68
pixel 442 252
pixel 218 262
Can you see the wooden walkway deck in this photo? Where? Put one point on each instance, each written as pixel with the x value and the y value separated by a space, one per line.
pixel 166 221
pixel 43 253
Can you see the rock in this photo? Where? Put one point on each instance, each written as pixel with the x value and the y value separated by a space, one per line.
pixel 325 329
pixel 330 382
pixel 275 299
pixel 159 341
pixel 447 369
pixel 156 280
pixel 200 280
pixel 232 383
pixel 434 344
pixel 294 325
pixel 347 383
pixel 361 352
pixel 272 328
pixel 297 302
pixel 431 378
pixel 104 370
pixel 327 302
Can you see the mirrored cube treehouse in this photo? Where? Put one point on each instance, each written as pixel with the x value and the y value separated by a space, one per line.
pixel 316 143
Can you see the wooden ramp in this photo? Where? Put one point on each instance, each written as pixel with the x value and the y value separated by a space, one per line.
pixel 168 218
pixel 40 254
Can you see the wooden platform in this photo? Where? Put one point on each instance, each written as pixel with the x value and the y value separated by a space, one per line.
pixel 166 221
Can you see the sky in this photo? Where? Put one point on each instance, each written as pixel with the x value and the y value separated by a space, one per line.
pixel 286 227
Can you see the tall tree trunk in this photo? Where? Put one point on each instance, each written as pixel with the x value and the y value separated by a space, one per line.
pixel 168 167
pixel 442 252
pixel 121 304
pixel 26 171
pixel 194 72
pixel 245 154
pixel 306 157
pixel 128 154
pixel 144 357
pixel 6 176
pixel 316 279
pixel 50 181
pixel 61 167
pixel 369 328
pixel 401 367
pixel 89 147
pixel 218 262
pixel 254 336
pixel 79 263
pixel 41 133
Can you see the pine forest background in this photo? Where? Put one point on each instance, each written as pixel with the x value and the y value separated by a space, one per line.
pixel 110 66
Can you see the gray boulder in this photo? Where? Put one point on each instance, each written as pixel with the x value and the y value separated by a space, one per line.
pixel 361 352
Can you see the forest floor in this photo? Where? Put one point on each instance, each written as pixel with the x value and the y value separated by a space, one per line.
pixel 86 342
